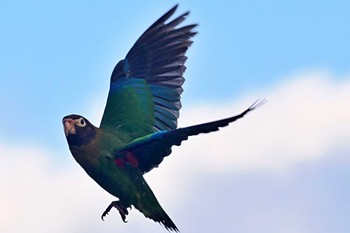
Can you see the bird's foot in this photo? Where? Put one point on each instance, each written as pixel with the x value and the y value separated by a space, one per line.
pixel 122 210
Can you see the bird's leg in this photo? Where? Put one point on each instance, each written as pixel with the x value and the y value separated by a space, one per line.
pixel 118 205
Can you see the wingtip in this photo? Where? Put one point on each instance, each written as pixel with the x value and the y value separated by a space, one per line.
pixel 173 9
pixel 257 104
pixel 166 16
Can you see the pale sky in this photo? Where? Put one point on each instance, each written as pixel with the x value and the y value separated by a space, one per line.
pixel 283 168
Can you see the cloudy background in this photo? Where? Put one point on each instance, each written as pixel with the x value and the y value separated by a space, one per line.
pixel 283 168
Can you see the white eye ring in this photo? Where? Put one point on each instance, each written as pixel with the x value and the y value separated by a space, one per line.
pixel 81 122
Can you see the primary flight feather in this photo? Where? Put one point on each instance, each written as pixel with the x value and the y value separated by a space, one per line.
pixel 139 124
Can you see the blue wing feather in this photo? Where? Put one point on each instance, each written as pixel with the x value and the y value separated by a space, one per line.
pixel 151 149
pixel 157 58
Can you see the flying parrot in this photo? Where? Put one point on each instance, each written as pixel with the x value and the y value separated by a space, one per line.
pixel 139 124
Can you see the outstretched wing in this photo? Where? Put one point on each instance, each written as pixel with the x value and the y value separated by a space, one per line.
pixel 148 152
pixel 145 89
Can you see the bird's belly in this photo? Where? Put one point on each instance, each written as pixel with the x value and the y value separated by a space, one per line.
pixel 117 181
pixel 114 180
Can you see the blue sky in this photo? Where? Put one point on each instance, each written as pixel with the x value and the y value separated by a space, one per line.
pixel 56 59
pixel 49 50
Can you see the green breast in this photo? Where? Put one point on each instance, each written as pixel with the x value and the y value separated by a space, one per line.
pixel 96 159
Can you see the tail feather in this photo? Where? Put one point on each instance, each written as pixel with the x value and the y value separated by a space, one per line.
pixel 150 151
pixel 148 204
pixel 163 219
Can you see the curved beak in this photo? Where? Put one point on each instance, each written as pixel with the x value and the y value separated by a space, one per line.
pixel 69 126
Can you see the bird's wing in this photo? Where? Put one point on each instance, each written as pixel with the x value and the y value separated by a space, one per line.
pixel 148 152
pixel 145 88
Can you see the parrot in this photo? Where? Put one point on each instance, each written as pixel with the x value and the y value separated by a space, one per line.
pixel 139 123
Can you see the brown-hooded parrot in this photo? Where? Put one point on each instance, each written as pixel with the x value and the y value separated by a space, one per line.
pixel 139 124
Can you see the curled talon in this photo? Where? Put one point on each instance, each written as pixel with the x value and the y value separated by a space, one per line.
pixel 122 210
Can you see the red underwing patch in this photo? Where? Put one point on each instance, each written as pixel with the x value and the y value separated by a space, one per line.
pixel 131 159
pixel 119 162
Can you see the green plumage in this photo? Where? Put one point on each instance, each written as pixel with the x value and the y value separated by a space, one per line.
pixel 125 181
pixel 129 108
pixel 139 124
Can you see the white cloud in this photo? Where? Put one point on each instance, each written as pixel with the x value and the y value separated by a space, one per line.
pixel 302 120
pixel 38 196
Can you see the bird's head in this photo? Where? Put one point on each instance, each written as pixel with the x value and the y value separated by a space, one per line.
pixel 79 131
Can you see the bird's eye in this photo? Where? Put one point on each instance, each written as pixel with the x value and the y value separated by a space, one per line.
pixel 81 122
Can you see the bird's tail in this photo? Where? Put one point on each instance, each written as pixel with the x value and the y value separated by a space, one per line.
pixel 150 207
pixel 161 217
pixel 162 141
